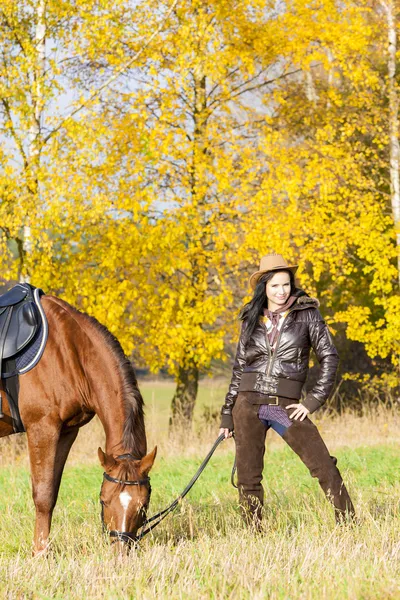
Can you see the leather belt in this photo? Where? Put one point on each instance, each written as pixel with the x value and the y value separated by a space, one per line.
pixel 271 386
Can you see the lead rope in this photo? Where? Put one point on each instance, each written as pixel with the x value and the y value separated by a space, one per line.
pixel 233 473
pixel 160 516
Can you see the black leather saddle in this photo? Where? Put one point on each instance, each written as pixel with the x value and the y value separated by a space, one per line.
pixel 19 320
pixel 23 336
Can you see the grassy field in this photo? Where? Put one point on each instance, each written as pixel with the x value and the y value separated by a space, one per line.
pixel 203 550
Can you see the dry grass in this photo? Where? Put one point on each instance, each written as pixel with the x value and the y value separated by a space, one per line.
pixel 203 551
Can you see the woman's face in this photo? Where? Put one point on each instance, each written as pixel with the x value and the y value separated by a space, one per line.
pixel 278 288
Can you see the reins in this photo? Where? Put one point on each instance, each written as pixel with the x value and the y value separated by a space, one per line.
pixel 163 513
pixel 156 519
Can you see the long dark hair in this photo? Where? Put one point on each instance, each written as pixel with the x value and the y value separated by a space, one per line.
pixel 252 311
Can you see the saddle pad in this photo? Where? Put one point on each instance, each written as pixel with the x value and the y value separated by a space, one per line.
pixel 27 354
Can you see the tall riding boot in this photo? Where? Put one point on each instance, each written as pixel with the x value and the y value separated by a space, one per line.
pixel 304 439
pixel 250 448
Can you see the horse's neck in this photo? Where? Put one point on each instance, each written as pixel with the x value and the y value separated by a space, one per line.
pixel 112 412
pixel 114 437
pixel 103 392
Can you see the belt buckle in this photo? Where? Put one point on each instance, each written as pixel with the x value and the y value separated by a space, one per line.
pixel 276 403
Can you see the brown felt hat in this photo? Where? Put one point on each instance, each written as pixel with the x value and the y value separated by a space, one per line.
pixel 271 262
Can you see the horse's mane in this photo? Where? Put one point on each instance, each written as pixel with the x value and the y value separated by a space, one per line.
pixel 134 436
pixel 132 398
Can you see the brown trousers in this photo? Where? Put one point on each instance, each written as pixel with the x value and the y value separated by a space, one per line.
pixel 303 438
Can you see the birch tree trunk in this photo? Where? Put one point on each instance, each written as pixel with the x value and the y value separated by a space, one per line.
pixel 390 10
pixel 311 92
pixel 34 138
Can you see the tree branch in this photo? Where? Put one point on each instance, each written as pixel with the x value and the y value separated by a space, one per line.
pixel 17 140
pixel 112 78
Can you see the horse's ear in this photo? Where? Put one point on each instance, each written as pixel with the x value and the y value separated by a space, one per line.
pixel 106 461
pixel 147 462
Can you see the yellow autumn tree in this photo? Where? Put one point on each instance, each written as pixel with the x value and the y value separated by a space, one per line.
pixel 59 59
pixel 243 133
pixel 151 153
pixel 332 173
pixel 177 167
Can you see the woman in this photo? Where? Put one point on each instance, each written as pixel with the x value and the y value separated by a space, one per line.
pixel 281 324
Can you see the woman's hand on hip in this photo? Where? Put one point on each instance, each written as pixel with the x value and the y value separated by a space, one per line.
pixel 300 412
pixel 227 432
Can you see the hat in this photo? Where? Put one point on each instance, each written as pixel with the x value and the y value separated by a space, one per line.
pixel 271 262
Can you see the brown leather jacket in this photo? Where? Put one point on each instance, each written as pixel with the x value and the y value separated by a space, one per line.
pixel 303 329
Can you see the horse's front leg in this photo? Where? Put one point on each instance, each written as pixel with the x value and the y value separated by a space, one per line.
pixel 48 451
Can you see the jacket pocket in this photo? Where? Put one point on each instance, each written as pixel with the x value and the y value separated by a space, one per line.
pixel 296 366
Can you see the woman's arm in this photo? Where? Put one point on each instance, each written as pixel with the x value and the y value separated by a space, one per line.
pixel 238 366
pixel 328 358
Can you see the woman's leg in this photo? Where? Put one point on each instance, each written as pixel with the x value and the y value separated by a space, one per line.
pixel 304 438
pixel 250 447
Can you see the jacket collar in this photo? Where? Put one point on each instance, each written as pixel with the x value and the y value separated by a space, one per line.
pixel 301 303
pixel 305 301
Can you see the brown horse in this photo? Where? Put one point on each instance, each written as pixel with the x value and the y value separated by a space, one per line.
pixel 83 372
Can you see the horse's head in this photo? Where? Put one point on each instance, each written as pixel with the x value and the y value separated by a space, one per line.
pixel 125 493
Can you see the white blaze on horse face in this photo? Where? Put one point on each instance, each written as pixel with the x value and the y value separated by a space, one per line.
pixel 125 499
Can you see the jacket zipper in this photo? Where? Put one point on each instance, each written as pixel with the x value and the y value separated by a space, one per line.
pixel 270 351
pixel 273 352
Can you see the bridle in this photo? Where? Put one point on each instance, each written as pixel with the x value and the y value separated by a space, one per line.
pixel 123 536
pixel 152 522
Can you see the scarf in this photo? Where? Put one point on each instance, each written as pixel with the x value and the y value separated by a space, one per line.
pixel 274 318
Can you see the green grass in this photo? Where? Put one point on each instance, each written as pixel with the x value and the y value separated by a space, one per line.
pixel 203 550
pixel 158 396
